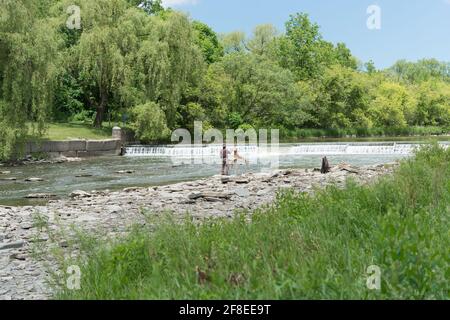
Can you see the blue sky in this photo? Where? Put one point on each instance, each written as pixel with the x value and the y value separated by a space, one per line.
pixel 410 29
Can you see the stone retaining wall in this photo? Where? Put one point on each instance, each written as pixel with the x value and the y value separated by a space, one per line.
pixel 79 148
pixel 76 148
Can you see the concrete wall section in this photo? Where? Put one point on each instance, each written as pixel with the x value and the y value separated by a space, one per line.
pixel 76 148
pixel 103 145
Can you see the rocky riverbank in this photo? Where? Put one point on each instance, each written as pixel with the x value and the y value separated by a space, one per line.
pixel 30 160
pixel 112 213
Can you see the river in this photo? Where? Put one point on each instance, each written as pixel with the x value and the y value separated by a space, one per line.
pixel 161 165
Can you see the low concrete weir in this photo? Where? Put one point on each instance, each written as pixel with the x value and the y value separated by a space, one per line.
pixel 282 149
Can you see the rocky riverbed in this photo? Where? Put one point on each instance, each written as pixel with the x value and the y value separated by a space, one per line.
pixel 30 160
pixel 22 276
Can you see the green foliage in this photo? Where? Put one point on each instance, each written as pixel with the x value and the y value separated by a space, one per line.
pixel 423 70
pixel 392 105
pixel 28 49
pixel 149 6
pixel 130 52
pixel 263 38
pixel 248 88
pixel 300 50
pixel 234 42
pixel 149 123
pixel 208 42
pixel 433 104
pixel 303 247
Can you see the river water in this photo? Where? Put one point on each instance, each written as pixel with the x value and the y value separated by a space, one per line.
pixel 164 165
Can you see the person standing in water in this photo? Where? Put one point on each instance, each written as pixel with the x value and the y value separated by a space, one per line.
pixel 224 153
pixel 238 157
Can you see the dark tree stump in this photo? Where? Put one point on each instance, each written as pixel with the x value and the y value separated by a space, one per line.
pixel 325 166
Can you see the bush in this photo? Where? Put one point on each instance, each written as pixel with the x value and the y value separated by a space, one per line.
pixel 149 123
pixel 85 116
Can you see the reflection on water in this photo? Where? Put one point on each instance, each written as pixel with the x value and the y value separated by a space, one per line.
pixel 101 173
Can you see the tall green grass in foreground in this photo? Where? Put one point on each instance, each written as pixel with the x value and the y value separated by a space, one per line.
pixel 303 247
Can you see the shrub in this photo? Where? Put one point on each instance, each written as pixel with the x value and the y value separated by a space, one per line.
pixel 149 123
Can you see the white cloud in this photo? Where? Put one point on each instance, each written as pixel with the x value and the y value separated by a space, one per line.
pixel 174 3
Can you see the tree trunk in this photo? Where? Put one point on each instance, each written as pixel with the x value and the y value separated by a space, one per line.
pixel 99 117
pixel 325 166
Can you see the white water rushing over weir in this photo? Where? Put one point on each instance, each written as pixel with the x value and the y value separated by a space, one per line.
pixel 282 149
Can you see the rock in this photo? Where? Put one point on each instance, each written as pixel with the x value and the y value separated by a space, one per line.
pixel 26 226
pixel 40 196
pixel 84 176
pixel 132 189
pixel 243 181
pixel 5 172
pixel 241 192
pixel 225 179
pixel 34 179
pixel 187 201
pixel 348 168
pixel 217 195
pixel 2 236
pixel 195 195
pixel 18 256
pixel 12 245
pixel 113 209
pixel 80 194
pixel 263 192
pixel 275 175
pixel 208 199
pixel 8 179
pixel 125 171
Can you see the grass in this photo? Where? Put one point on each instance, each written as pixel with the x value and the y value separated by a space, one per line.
pixel 70 131
pixel 80 130
pixel 302 247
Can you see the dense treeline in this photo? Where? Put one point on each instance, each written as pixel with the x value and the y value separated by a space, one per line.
pixel 135 60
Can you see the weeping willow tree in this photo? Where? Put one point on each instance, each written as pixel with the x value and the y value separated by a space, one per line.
pixel 28 49
pixel 165 62
pixel 127 56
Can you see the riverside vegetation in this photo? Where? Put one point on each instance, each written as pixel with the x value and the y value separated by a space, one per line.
pixel 303 246
pixel 158 70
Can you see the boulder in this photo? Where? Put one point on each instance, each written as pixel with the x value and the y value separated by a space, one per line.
pixel 225 179
pixel 12 245
pixel 40 196
pixel 33 179
pixel 242 192
pixel 84 176
pixel 80 194
pixel 347 167
pixel 210 195
pixel 125 171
